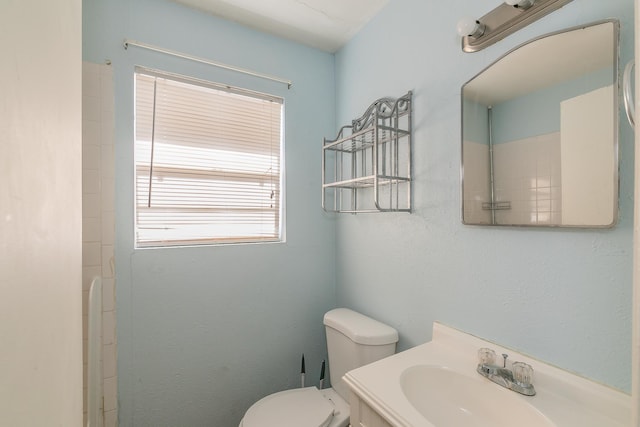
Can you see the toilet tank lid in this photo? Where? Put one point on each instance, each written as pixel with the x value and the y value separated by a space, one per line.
pixel 360 328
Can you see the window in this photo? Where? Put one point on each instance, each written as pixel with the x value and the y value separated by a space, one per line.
pixel 207 163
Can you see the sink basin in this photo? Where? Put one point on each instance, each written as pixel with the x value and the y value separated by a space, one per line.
pixel 447 398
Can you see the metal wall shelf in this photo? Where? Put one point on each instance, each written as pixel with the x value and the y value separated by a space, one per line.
pixel 367 168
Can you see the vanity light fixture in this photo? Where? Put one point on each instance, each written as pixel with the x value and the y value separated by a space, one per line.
pixel 507 18
pixel 470 27
pixel 521 4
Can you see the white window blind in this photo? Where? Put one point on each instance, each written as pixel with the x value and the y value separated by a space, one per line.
pixel 207 161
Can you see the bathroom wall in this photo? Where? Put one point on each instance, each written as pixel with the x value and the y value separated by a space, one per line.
pixel 98 231
pixel 40 214
pixel 543 105
pixel 204 332
pixel 560 295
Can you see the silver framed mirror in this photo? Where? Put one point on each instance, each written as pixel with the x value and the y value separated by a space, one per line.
pixel 540 133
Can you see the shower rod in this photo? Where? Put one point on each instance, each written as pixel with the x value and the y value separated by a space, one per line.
pixel 128 42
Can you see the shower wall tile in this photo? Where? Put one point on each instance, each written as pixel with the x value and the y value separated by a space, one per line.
pixel 90 80
pixel 91 108
pixel 108 294
pixel 108 232
pixel 91 254
pixel 90 133
pixel 91 205
pixel 90 181
pixel 91 230
pixel 476 182
pixel 107 262
pixel 111 418
pixel 98 222
pixel 91 157
pixel 108 326
pixel 109 365
pixel 527 174
pixel 110 393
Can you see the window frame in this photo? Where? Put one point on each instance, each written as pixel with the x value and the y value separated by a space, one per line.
pixel 277 237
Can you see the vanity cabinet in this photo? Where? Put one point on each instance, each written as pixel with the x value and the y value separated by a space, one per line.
pixel 367 168
pixel 362 415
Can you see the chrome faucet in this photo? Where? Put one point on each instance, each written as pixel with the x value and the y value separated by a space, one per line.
pixel 517 379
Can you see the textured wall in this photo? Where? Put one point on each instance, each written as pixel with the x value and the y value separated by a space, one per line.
pixel 204 332
pixel 560 295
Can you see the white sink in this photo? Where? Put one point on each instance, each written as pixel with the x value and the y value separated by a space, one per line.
pixel 436 385
pixel 448 398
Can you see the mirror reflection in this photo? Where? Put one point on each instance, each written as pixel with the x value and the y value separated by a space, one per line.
pixel 539 133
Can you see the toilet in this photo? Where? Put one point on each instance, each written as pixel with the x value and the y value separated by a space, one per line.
pixel 353 340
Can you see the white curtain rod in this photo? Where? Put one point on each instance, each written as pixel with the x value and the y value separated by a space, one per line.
pixel 128 43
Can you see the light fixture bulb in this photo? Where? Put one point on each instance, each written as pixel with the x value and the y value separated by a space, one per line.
pixel 520 4
pixel 470 27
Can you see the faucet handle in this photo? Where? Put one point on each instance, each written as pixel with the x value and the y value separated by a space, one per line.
pixel 486 356
pixel 504 360
pixel 522 373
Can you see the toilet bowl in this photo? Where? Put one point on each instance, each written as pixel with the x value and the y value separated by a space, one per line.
pixel 300 407
pixel 353 340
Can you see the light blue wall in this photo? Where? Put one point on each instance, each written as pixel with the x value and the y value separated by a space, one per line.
pixel 560 295
pixel 204 332
pixel 475 124
pixel 538 113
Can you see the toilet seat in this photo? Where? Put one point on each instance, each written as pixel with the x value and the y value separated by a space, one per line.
pixel 302 407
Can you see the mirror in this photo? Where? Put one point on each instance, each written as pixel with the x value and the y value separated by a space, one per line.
pixel 540 133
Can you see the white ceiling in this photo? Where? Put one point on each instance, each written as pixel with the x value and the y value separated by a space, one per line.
pixel 324 24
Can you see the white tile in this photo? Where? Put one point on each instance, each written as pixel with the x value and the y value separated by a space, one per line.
pixel 111 418
pixel 91 156
pixel 106 132
pixel 109 361
pixel 106 80
pixel 91 254
pixel 91 133
pixel 107 192
pixel 91 207
pixel 107 159
pixel 543 193
pixel 544 217
pixel 108 227
pixel 110 393
pixel 90 79
pixel 108 327
pixel 91 230
pixel 90 181
pixel 91 108
pixel 107 261
pixel 106 98
pixel 544 206
pixel 108 294
pixel 105 70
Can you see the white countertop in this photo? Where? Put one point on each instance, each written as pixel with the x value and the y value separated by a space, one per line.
pixel 565 399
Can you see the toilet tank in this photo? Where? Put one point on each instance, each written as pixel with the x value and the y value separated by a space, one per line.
pixel 355 340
